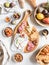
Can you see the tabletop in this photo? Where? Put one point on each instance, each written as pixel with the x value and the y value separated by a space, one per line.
pixel 28 58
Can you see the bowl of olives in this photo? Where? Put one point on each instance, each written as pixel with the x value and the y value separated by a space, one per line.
pixel 9 5
pixel 41 14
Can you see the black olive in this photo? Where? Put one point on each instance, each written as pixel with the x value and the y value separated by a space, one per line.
pixel 38 10
pixel 12 5
pixel 44 12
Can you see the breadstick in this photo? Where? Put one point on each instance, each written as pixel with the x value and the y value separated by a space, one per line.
pixel 21 3
pixel 32 3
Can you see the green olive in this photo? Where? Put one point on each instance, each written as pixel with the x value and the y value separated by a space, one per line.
pixel 7 4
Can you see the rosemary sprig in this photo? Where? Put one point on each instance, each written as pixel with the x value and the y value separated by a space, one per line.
pixel 46 6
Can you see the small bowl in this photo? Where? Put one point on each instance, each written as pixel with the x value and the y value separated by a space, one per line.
pixel 39 22
pixel 18 57
pixel 4 32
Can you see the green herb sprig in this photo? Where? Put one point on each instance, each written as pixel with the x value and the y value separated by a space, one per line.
pixel 46 6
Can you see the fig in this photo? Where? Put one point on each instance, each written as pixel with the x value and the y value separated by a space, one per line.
pixel 46 20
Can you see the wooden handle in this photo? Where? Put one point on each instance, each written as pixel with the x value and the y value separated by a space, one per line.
pixel 32 3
